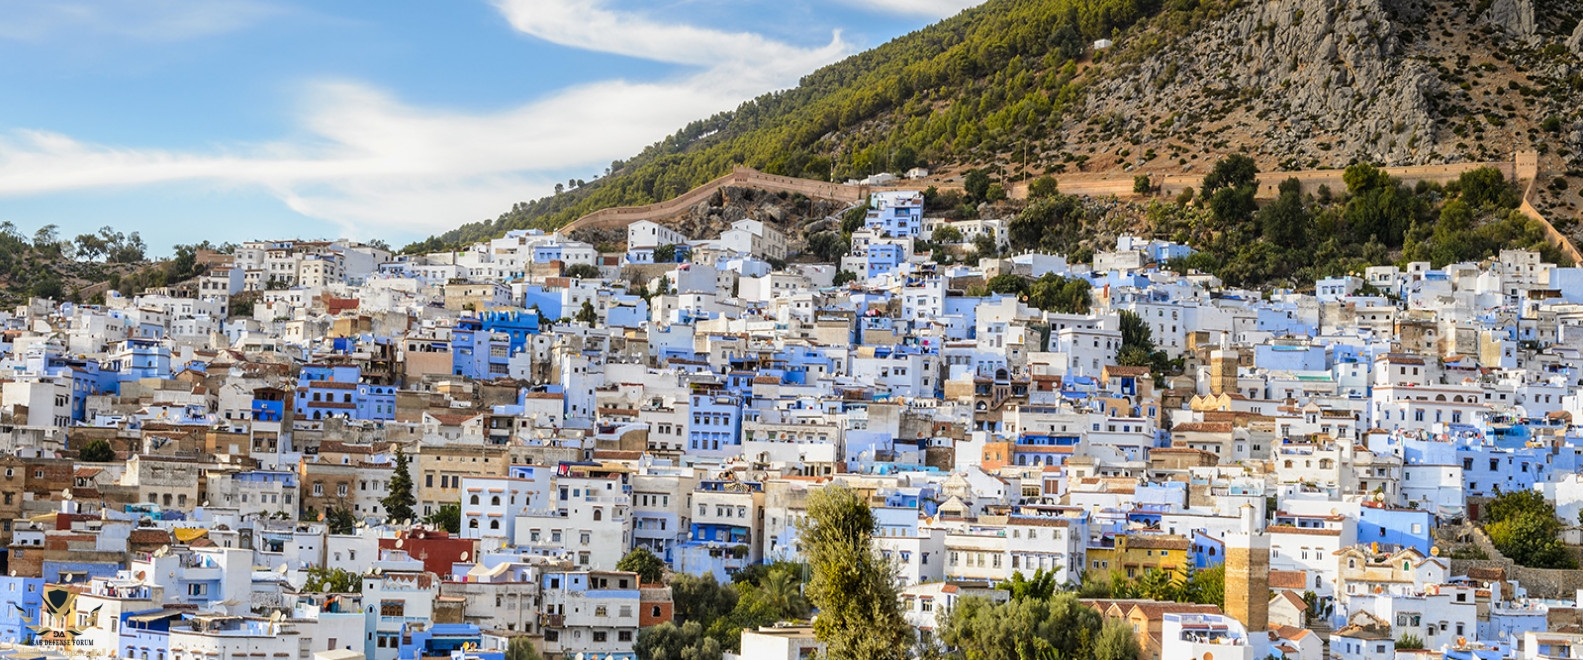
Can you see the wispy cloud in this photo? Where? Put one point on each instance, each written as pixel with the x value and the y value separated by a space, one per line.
pixel 371 163
pixel 140 20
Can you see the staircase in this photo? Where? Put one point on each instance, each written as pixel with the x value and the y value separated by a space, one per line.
pixel 1321 627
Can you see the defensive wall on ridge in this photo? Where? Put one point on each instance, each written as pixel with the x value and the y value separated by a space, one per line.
pixel 1523 168
pixel 740 177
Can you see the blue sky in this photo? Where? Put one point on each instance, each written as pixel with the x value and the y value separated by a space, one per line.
pixel 230 120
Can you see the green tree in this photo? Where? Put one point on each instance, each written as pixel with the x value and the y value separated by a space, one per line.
pixel 1523 526
pixel 1233 171
pixel 398 504
pixel 1054 293
pixel 587 316
pixel 852 220
pixel 1044 186
pixel 522 648
pixel 1141 184
pixel 1286 221
pixel 448 517
pixel 1116 642
pixel 669 641
pixel 829 246
pixel 332 581
pixel 338 520
pixel 946 234
pixel 985 243
pixel 853 587
pixel 1156 584
pixel 1409 641
pixel 1135 332
pixel 650 569
pixel 1060 627
pixel 1487 185
pixel 665 254
pixel 976 183
pixel 1041 586
pixel 842 277
pixel 582 271
pixel 97 450
pixel 1008 283
pixel 701 599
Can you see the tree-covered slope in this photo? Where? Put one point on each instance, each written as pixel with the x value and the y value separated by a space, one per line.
pixel 1015 87
pixel 950 92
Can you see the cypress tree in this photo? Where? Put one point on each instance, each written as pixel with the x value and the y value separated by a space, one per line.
pixel 398 504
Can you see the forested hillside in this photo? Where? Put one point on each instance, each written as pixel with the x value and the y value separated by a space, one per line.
pixel 1015 88
pixel 961 90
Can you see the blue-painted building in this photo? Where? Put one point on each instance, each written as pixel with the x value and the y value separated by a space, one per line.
pixel 550 301
pixel 1207 551
pixel 895 213
pixel 443 639
pixel 884 258
pixel 1486 468
pixel 714 424
pixel 1291 357
pixel 135 359
pixel 1394 527
pixel 477 352
pixel 269 404
pixel 518 326
pixel 146 633
pixel 20 600
pixel 325 391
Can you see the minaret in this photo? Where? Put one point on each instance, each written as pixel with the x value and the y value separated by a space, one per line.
pixel 1248 574
pixel 1222 372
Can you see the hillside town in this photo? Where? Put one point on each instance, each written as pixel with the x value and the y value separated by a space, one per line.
pixel 320 449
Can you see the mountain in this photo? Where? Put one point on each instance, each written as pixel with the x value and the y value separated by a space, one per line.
pixel 1017 88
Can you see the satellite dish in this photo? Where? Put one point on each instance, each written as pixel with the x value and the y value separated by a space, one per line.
pixel 375 570
pixel 140 574
pixel 66 577
pixel 283 569
pixel 400 542
pixel 274 617
pixel 464 556
pixel 13 572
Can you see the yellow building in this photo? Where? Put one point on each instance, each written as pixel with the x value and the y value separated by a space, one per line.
pixel 1135 554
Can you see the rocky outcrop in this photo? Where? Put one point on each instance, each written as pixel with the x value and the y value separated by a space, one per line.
pixel 1318 80
pixel 795 215
pixel 1516 17
pixel 1575 42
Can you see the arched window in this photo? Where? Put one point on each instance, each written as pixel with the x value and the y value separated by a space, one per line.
pixel 494 501
pixel 494 524
pixel 472 524
pixel 473 500
pixel 599 514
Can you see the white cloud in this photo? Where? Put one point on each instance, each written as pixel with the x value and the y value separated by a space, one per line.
pixel 141 20
pixel 931 8
pixel 371 163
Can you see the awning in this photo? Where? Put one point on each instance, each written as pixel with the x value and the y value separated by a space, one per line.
pixel 155 616
pixel 189 534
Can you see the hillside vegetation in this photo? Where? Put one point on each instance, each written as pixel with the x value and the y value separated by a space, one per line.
pixel 958 91
pixel 1014 89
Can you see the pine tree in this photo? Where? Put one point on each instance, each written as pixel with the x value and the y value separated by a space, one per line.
pixel 853 586
pixel 398 504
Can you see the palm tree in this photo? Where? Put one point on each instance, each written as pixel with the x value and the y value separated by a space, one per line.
pixel 781 590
